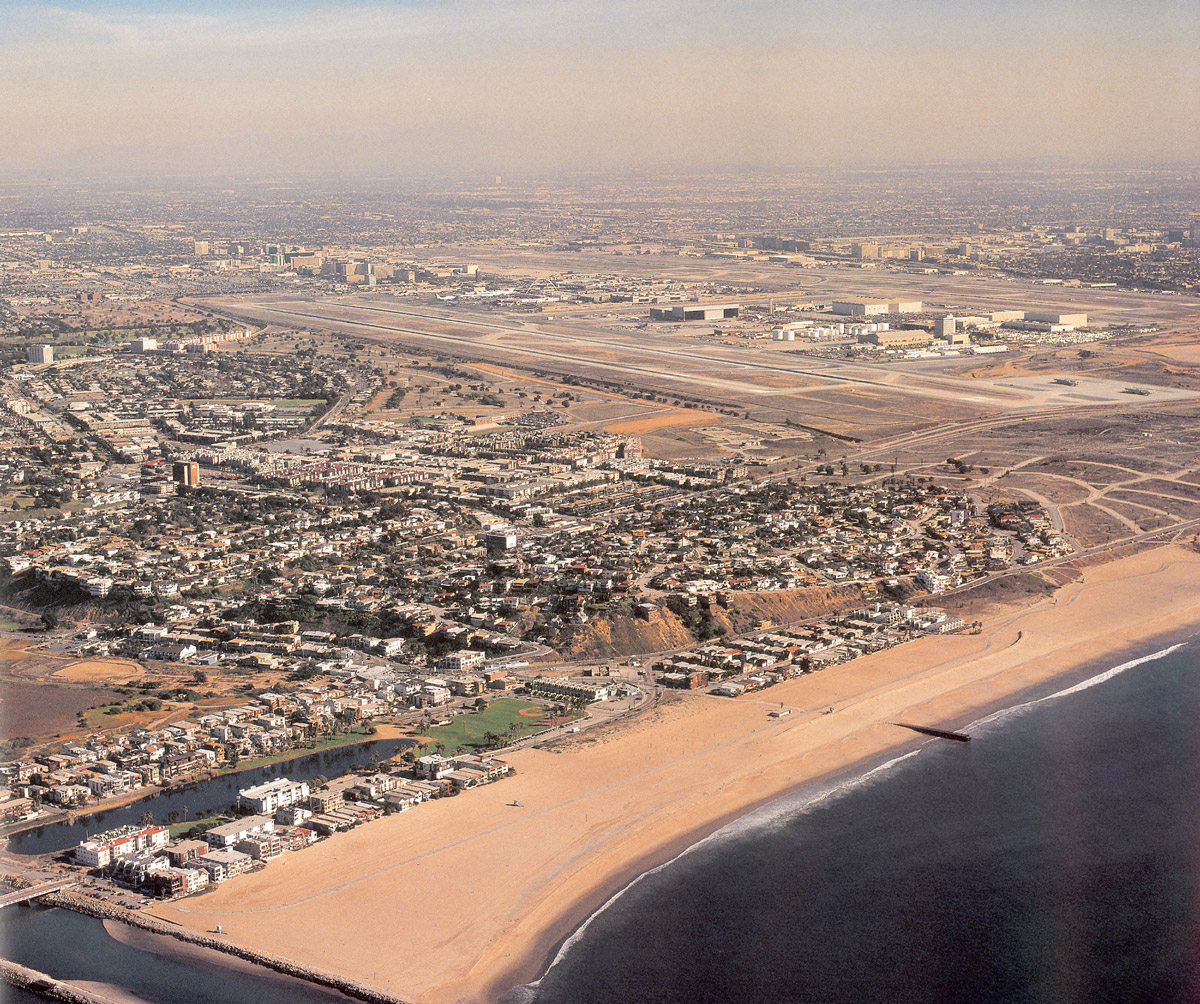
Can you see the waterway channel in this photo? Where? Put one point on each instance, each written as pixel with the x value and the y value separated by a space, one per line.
pixel 203 798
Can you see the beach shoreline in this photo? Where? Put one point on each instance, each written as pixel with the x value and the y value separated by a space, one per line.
pixel 498 891
pixel 821 787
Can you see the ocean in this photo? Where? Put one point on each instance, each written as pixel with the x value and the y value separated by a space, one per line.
pixel 1055 859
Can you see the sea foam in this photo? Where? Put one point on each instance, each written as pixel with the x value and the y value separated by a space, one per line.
pixel 1092 681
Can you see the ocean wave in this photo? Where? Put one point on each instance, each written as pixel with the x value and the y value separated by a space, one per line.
pixel 1093 681
pixel 774 813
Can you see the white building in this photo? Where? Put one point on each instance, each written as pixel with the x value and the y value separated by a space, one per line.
pixel 1077 320
pixel 860 308
pixel 228 834
pixel 265 798
pixel 462 659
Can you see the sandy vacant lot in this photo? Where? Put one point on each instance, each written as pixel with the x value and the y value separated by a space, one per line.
pixel 98 671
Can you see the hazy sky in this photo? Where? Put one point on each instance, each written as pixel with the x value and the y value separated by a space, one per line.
pixel 527 86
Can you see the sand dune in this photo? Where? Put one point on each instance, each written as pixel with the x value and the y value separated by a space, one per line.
pixel 462 898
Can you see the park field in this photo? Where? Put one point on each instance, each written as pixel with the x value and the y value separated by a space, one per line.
pixel 507 718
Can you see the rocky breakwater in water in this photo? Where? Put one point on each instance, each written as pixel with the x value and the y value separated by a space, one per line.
pixel 108 911
pixel 34 982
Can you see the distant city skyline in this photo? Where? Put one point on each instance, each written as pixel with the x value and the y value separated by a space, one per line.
pixel 468 87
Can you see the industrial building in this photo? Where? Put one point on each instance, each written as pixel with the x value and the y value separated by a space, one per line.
pixel 1046 327
pixel 696 312
pixel 904 339
pixel 869 308
pixel 860 308
pixel 945 327
pixel 1054 317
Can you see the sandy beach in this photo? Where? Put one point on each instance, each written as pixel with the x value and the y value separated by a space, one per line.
pixel 461 899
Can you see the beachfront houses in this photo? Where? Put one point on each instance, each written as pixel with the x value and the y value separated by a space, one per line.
pixel 105 848
pixel 141 858
pixel 228 834
pixel 222 863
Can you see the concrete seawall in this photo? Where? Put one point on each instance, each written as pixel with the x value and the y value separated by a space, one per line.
pixel 107 911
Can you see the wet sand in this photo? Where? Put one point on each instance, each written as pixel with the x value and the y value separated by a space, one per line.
pixel 465 897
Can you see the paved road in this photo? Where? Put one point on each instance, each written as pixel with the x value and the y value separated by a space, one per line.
pixel 21 895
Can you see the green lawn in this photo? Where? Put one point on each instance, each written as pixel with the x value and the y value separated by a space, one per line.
pixel 176 830
pixel 465 732
pixel 299 402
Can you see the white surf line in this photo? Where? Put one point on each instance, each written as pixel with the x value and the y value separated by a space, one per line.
pixel 1087 684
pixel 751 820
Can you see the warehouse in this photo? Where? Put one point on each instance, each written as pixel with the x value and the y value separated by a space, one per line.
pixel 1054 317
pixel 904 339
pixel 869 308
pixel 695 312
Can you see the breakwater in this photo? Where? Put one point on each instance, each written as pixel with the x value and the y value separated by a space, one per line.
pixel 31 981
pixel 285 967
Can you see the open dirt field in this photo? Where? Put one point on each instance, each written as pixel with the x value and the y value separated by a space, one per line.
pixel 39 710
pixel 99 671
pixel 663 420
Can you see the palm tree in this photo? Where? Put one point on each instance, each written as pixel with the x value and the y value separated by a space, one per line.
pixel 183 812
pixel 440 747
pixel 147 818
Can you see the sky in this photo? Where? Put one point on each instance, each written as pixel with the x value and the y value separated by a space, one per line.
pixel 462 87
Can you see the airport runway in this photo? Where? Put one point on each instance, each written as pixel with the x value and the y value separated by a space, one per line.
pixel 829 282
pixel 845 398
